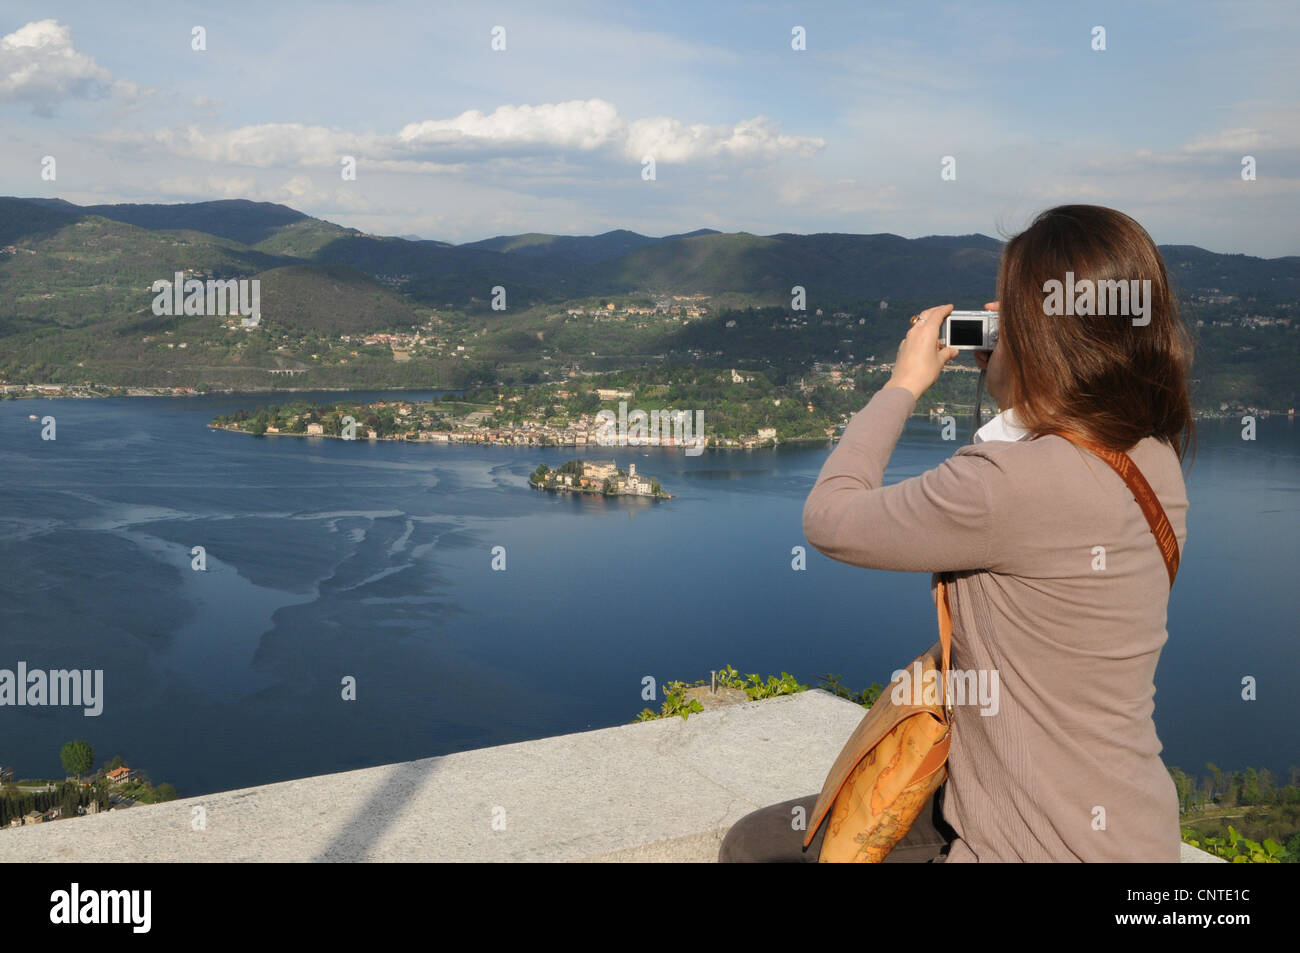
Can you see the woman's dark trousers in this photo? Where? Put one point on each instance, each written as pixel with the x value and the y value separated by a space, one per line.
pixel 767 836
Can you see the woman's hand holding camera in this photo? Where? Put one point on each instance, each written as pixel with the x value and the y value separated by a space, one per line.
pixel 920 356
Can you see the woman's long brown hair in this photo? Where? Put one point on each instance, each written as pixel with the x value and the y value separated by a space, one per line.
pixel 1098 376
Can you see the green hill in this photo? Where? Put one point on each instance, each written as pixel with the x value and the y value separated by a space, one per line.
pixel 236 219
pixel 82 270
pixel 333 299
pixel 75 299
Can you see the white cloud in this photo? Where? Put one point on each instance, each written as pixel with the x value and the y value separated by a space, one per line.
pixel 1227 140
pixel 671 140
pixel 410 166
pixel 1274 132
pixel 818 196
pixel 40 67
pixel 265 146
pixel 443 145
pixel 578 124
pixel 206 188
pixel 1280 132
pixel 300 191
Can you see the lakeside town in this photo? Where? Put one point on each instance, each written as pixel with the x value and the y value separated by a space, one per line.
pixel 745 411
pixel 32 391
pixel 417 425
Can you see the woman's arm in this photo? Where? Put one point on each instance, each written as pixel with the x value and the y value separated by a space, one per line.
pixel 935 522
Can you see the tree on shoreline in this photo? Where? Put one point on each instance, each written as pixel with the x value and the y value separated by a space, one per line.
pixel 78 757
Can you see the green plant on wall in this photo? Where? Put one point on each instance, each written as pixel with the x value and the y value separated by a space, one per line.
pixel 1237 849
pixel 754 686
pixel 674 703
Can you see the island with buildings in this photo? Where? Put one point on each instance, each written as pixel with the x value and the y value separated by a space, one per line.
pixel 603 478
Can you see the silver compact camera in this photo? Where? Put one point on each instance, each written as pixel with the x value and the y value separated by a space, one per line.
pixel 970 330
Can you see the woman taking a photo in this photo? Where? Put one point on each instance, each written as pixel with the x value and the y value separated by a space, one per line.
pixel 1057 583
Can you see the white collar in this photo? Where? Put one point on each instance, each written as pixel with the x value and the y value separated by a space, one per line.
pixel 1002 427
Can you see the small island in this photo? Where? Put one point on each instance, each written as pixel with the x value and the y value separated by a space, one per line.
pixel 602 478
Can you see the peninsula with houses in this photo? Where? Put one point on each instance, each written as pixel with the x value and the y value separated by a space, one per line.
pixel 687 409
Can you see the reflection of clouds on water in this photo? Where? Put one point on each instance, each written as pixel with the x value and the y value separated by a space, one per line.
pixel 382 574
pixel 413 467
pixel 399 544
pixel 19 529
pixel 353 591
pixel 510 476
pixel 331 518
pixel 440 465
pixel 213 651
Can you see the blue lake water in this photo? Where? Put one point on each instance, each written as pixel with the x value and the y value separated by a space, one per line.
pixel 328 559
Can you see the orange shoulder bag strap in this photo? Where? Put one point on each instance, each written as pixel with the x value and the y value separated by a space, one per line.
pixel 1146 498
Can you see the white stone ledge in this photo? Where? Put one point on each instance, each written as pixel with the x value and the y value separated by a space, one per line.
pixel 664 791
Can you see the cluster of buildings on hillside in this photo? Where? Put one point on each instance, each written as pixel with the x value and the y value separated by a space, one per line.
pixel 53 814
pixel 689 306
pixel 404 343
pixel 116 776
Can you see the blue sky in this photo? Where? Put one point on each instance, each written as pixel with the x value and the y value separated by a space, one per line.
pixel 456 141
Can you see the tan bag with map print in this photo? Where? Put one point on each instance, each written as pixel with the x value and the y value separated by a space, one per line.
pixel 894 760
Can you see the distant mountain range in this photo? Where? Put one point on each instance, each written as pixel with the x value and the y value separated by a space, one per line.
pixel 243 238
pixel 65 267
